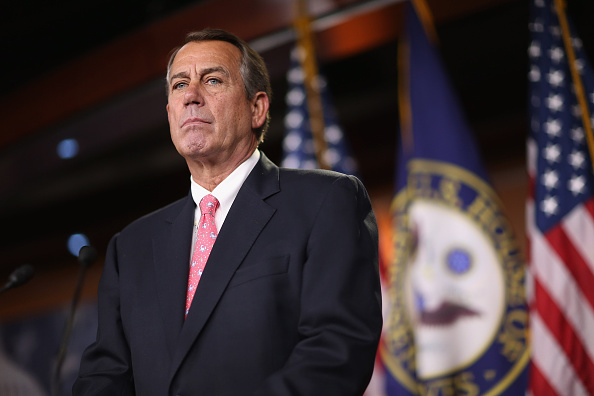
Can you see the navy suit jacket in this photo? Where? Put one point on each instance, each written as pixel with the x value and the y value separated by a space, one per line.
pixel 288 304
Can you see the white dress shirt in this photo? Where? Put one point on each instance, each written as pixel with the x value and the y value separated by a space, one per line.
pixel 225 192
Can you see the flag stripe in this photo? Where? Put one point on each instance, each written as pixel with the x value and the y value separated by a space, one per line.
pixel 565 335
pixel 579 228
pixel 575 264
pixel 543 387
pixel 552 362
pixel 589 205
pixel 551 272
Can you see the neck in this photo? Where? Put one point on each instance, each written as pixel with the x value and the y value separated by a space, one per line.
pixel 210 175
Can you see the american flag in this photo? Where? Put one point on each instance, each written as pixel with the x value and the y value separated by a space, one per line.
pixel 560 210
pixel 298 144
pixel 299 152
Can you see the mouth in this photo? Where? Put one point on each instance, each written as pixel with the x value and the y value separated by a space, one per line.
pixel 195 121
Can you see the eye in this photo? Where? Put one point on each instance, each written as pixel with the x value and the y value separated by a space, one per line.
pixel 459 261
pixel 178 85
pixel 213 81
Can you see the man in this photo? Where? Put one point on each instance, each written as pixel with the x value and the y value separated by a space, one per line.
pixel 288 302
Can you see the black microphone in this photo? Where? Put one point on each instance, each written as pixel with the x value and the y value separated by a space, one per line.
pixel 18 277
pixel 87 255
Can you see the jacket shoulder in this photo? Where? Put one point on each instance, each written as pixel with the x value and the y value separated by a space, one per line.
pixel 317 178
pixel 165 214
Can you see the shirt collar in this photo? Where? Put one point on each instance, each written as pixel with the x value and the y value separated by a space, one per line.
pixel 227 190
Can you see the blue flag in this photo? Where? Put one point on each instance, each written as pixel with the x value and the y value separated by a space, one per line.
pixel 458 319
pixel 298 144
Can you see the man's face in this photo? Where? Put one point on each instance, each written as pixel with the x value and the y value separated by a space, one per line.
pixel 210 118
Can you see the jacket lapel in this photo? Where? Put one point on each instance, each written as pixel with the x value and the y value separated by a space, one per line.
pixel 246 219
pixel 171 249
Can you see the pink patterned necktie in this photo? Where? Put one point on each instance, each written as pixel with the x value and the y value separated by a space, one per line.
pixel 205 239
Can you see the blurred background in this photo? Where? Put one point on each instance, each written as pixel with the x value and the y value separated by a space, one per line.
pixel 84 140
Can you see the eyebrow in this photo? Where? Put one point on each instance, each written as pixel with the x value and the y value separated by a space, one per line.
pixel 178 75
pixel 208 70
pixel 214 69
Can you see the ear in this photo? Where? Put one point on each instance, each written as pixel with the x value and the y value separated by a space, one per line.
pixel 169 120
pixel 260 105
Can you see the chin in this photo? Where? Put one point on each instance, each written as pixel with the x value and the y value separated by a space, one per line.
pixel 191 147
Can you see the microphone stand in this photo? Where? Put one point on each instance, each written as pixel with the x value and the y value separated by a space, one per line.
pixel 87 255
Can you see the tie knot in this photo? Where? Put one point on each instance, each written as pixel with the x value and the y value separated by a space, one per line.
pixel 209 204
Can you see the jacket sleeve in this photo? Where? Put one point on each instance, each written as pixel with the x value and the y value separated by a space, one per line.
pixel 106 365
pixel 340 321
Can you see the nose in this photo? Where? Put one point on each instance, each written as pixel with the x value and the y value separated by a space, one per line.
pixel 193 95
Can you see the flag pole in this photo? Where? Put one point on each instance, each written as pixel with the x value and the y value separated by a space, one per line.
pixel 406 121
pixel 426 18
pixel 314 100
pixel 577 80
pixel 404 96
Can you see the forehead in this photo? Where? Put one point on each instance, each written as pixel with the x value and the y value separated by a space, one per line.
pixel 204 54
